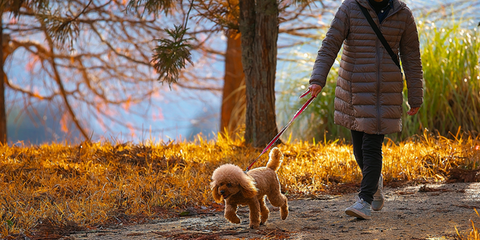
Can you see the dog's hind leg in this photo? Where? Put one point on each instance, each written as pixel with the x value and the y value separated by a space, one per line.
pixel 284 210
pixel 279 200
pixel 263 210
pixel 254 206
pixel 231 213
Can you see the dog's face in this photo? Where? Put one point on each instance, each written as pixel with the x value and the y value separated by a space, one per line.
pixel 228 180
pixel 227 189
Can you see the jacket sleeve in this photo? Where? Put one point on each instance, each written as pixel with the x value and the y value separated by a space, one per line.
pixel 331 45
pixel 411 62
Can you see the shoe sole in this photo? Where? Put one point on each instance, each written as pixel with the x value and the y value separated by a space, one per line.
pixel 357 214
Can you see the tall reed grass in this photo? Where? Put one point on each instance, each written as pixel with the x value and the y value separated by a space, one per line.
pixel 450 57
pixel 63 187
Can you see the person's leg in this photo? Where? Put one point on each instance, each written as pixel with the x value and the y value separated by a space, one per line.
pixel 357 142
pixel 367 149
pixel 372 165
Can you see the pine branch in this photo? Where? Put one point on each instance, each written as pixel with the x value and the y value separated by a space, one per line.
pixel 61 29
pixel 170 56
pixel 151 6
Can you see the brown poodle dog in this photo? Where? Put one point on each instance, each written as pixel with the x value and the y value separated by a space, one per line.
pixel 230 183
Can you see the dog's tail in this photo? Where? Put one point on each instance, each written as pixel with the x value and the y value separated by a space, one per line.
pixel 275 160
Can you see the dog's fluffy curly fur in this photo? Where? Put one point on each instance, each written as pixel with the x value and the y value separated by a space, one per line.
pixel 232 185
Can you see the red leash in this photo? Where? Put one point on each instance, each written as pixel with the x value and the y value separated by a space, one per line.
pixel 284 128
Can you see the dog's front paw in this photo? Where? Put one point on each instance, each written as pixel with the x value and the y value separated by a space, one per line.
pixel 254 225
pixel 233 218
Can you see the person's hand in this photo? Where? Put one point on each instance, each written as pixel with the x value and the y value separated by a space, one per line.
pixel 315 89
pixel 413 111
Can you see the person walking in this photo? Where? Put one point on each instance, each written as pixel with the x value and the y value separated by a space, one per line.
pixel 368 94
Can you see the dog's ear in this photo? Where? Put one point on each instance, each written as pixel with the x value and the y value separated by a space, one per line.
pixel 216 196
pixel 248 187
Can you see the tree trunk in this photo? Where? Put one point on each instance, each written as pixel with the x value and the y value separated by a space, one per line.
pixel 259 29
pixel 3 115
pixel 233 99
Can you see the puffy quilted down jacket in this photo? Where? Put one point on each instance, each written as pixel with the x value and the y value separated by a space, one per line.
pixel 368 96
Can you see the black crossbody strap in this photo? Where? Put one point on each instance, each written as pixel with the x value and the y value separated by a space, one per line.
pixel 379 35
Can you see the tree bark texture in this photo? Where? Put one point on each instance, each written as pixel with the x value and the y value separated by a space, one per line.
pixel 233 99
pixel 3 114
pixel 259 29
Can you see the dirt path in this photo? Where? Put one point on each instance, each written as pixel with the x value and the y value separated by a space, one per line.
pixel 429 211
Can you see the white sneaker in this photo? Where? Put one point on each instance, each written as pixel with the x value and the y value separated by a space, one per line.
pixel 359 209
pixel 378 198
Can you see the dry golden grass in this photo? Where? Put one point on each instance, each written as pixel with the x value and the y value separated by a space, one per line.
pixel 52 189
pixel 474 234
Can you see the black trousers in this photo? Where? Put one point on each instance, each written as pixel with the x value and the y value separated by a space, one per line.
pixel 367 149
